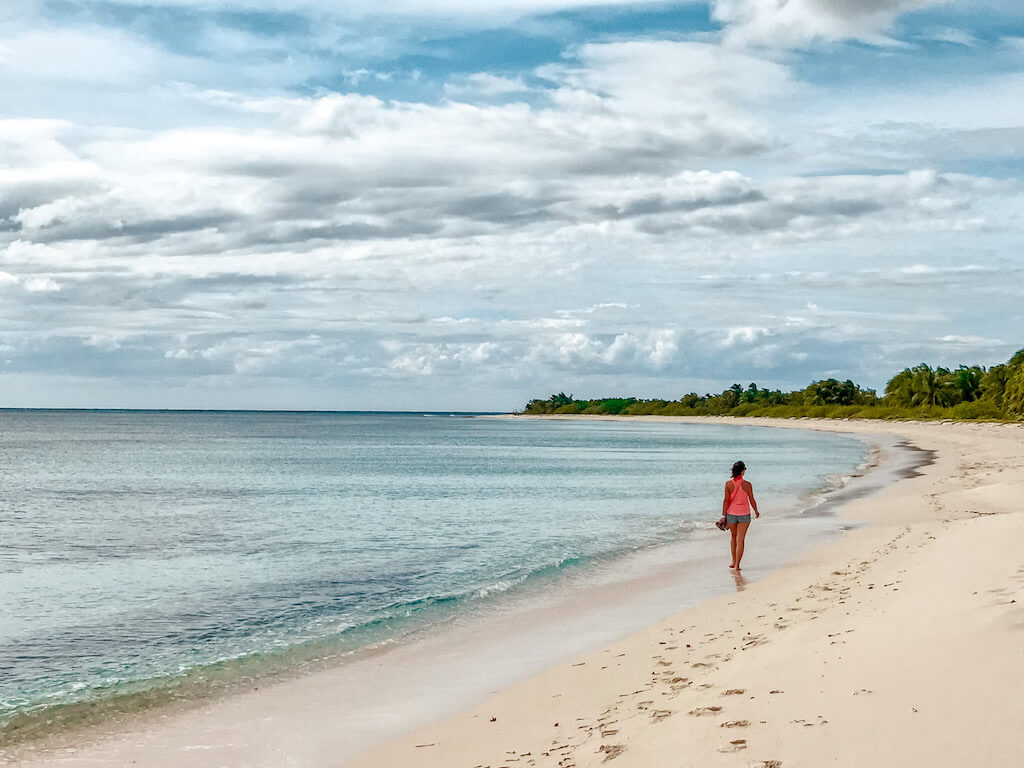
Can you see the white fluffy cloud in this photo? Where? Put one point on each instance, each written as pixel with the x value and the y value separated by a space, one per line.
pixel 486 84
pixel 786 23
pixel 42 285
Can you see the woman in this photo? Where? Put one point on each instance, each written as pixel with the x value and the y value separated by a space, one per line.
pixel 739 497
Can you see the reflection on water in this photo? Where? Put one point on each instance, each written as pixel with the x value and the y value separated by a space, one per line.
pixel 741 583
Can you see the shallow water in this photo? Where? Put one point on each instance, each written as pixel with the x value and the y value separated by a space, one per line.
pixel 141 548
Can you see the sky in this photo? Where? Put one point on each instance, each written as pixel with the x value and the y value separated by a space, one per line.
pixel 455 205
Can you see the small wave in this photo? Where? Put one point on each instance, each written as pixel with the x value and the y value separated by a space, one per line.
pixel 498 587
pixel 835 482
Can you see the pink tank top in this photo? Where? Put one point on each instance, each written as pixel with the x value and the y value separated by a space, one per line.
pixel 739 504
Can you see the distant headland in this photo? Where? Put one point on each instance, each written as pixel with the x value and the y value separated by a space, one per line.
pixel 969 392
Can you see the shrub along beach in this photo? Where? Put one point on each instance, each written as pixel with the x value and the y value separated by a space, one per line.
pixel 922 392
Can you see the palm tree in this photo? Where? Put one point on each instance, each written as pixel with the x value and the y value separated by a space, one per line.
pixel 920 386
pixel 968 380
pixel 993 386
pixel 932 386
pixel 561 399
pixel 1013 395
pixel 900 388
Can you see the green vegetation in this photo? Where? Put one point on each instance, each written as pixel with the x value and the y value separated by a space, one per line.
pixel 922 392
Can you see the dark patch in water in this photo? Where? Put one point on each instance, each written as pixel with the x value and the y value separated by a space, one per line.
pixel 927 457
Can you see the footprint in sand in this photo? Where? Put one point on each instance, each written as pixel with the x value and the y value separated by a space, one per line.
pixel 735 724
pixel 704 711
pixel 660 714
pixel 733 691
pixel 611 751
pixel 766 764
pixel 734 746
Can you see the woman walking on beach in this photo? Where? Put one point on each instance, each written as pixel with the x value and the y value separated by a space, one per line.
pixel 739 498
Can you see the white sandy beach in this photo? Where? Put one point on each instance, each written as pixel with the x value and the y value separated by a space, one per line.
pixel 900 643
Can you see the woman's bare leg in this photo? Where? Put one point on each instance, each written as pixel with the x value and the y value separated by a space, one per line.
pixel 739 538
pixel 732 545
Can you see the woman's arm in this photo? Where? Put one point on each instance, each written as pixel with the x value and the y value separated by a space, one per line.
pixel 753 502
pixel 725 501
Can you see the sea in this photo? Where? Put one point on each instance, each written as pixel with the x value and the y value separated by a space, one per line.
pixel 153 555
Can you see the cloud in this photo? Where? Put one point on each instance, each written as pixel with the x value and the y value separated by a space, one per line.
pixel 971 341
pixel 486 84
pixel 90 54
pixel 953 36
pixel 42 285
pixel 442 359
pixel 566 353
pixel 745 336
pixel 652 350
pixel 789 23
pixel 664 78
pixel 242 355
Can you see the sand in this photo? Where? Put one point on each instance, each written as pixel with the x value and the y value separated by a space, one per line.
pixel 900 643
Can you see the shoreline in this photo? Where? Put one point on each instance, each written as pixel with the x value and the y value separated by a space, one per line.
pixel 841 656
pixel 665 580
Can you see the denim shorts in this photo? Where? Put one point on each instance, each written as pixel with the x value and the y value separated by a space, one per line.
pixel 733 519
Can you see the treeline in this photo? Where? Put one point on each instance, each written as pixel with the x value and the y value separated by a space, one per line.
pixel 921 392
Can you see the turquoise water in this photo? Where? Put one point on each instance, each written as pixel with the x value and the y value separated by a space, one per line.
pixel 142 548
